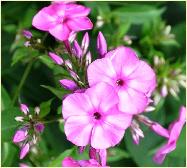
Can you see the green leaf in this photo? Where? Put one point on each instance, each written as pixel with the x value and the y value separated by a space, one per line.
pixel 57 92
pixel 115 154
pixel 58 161
pixel 19 54
pixel 47 61
pixel 59 110
pixel 45 108
pixel 5 101
pixel 8 154
pixel 138 14
pixel 9 125
pixel 61 126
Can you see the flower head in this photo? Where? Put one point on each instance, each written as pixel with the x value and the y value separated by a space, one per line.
pixel 131 78
pixel 60 19
pixel 174 132
pixel 92 115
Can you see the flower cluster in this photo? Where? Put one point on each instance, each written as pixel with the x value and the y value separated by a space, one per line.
pixel 29 131
pixel 107 96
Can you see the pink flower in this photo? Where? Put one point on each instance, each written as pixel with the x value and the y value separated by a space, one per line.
pixel 70 162
pixel 20 135
pixel 24 108
pixel 68 84
pixel 56 59
pixel 131 78
pixel 24 150
pixel 101 45
pixel 60 19
pixel 174 132
pixel 93 118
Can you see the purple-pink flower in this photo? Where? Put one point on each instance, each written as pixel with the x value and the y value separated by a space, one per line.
pixel 174 132
pixel 60 19
pixel 131 78
pixel 93 118
pixel 20 135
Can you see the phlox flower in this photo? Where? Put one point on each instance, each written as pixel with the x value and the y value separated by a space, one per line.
pixel 61 19
pixel 174 130
pixel 132 78
pixel 93 118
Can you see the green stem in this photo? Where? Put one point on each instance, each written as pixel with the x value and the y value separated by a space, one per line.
pixel 53 120
pixel 24 77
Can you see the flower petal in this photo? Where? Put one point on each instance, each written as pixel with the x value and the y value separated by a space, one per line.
pixel 74 10
pixel 78 130
pixel 60 31
pixel 118 119
pixel 102 96
pixel 105 136
pixel 101 70
pixel 79 24
pixel 123 58
pixel 132 101
pixel 45 19
pixel 76 104
pixel 143 78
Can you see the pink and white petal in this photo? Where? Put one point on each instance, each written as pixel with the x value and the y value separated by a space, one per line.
pixel 76 104
pixel 101 70
pixel 132 101
pixel 74 10
pixel 124 60
pixel 44 20
pixel 118 119
pixel 79 24
pixel 78 130
pixel 143 78
pixel 107 135
pixel 60 32
pixel 102 96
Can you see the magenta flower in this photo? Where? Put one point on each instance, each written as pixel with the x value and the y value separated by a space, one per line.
pixel 56 59
pixel 174 132
pixel 24 150
pixel 60 19
pixel 70 162
pixel 68 84
pixel 131 78
pixel 24 108
pixel 20 135
pixel 93 115
pixel 101 45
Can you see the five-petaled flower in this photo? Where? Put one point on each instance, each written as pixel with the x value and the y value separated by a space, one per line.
pixel 61 19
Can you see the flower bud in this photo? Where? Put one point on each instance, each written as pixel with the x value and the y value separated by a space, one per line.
pixel 68 84
pixel 20 135
pixel 74 75
pixel 92 153
pixel 56 59
pixel 37 110
pixel 39 127
pixel 68 64
pixel 81 149
pixel 24 108
pixel 157 128
pixel 27 34
pixel 88 58
pixel 19 118
pixel 72 36
pixel 77 49
pixel 27 44
pixel 85 43
pixel 24 150
pixel 101 45
pixel 164 91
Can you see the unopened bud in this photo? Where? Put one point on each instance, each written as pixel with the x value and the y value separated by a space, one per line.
pixel 37 110
pixel 19 118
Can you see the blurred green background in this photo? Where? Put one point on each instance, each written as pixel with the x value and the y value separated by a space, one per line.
pixel 143 22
